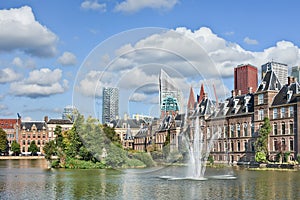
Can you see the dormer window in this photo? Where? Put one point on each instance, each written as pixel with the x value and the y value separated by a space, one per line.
pixel 289 95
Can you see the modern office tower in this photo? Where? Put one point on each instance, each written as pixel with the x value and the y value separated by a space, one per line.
pixel 167 89
pixel 110 104
pixel 245 76
pixel 70 113
pixel 281 71
pixel 296 72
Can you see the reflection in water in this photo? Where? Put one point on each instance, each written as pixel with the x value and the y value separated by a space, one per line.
pixel 29 179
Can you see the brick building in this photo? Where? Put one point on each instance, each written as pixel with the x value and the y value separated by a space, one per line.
pixel 11 127
pixel 245 76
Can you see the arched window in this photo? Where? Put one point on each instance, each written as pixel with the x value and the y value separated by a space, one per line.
pixel 245 126
pixel 275 129
pixel 283 128
pixel 238 128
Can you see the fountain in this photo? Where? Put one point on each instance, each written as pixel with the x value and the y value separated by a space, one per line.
pixel 199 149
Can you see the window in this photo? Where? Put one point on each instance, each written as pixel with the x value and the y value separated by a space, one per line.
pixel 275 145
pixel 291 111
pixel 282 113
pixel 291 128
pixel 275 113
pixel 238 127
pixel 283 145
pixel 261 114
pixel 239 146
pixel 232 130
pixel 225 132
pixel 291 145
pixel 275 129
pixel 283 128
pixel 246 146
pixel 245 129
pixel 232 146
pixel 260 99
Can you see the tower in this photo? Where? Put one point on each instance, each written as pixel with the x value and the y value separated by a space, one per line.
pixel 110 104
pixel 281 71
pixel 167 89
pixel 245 76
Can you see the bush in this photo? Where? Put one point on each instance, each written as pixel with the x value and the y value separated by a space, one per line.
pixel 145 158
pixel 260 157
pixel 135 163
pixel 72 163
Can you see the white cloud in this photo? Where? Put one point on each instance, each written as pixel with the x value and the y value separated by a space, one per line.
pixel 8 75
pixel 247 40
pixel 29 63
pixel 136 97
pixel 93 5
pixel 40 83
pixel 67 58
pixel 3 107
pixel 131 6
pixel 21 31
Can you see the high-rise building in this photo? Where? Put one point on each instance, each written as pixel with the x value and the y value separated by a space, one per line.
pixel 70 113
pixel 296 72
pixel 245 76
pixel 168 89
pixel 110 104
pixel 281 71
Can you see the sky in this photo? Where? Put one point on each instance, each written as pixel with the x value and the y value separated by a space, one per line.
pixel 55 53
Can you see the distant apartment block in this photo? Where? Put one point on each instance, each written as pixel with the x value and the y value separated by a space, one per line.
pixel 110 104
pixel 69 113
pixel 281 71
pixel 245 77
pixel 296 72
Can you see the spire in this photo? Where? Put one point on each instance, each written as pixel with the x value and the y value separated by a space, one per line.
pixel 201 96
pixel 191 101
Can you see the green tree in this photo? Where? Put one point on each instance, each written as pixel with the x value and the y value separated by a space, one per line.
pixel 49 149
pixel 261 144
pixel 33 148
pixel 3 141
pixel 15 147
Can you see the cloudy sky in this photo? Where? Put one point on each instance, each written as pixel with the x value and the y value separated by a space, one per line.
pixel 57 53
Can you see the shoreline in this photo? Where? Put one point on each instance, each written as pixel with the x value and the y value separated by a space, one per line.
pixel 22 157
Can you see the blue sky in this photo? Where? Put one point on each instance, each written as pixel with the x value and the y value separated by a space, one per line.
pixel 45 45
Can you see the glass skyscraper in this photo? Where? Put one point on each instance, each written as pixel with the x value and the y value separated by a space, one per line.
pixel 110 104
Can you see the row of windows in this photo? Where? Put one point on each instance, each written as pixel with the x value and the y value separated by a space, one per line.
pixel 243 146
pixel 33 136
pixel 283 145
pixel 38 142
pixel 283 128
pixel 283 112
pixel 236 130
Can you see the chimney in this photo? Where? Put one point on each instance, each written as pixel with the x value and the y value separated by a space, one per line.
pixel 46 119
pixel 250 90
pixel 233 93
pixel 205 96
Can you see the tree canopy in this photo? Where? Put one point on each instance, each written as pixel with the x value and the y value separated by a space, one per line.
pixel 3 141
pixel 261 144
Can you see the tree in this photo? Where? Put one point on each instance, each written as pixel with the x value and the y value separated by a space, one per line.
pixel 261 144
pixel 15 147
pixel 33 148
pixel 3 141
pixel 49 149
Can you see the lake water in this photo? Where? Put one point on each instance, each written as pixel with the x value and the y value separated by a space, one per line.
pixel 30 179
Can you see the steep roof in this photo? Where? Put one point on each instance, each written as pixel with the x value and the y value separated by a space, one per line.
pixel 39 125
pixel 287 94
pixel 269 82
pixel 60 121
pixel 133 123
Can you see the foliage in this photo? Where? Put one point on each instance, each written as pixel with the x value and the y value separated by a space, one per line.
pixel 261 144
pixel 73 163
pixel 116 157
pixel 260 157
pixel 134 163
pixel 145 158
pixel 157 155
pixel 175 156
pixel 50 149
pixel 3 141
pixel 210 159
pixel 33 148
pixel 15 147
pixel 286 156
